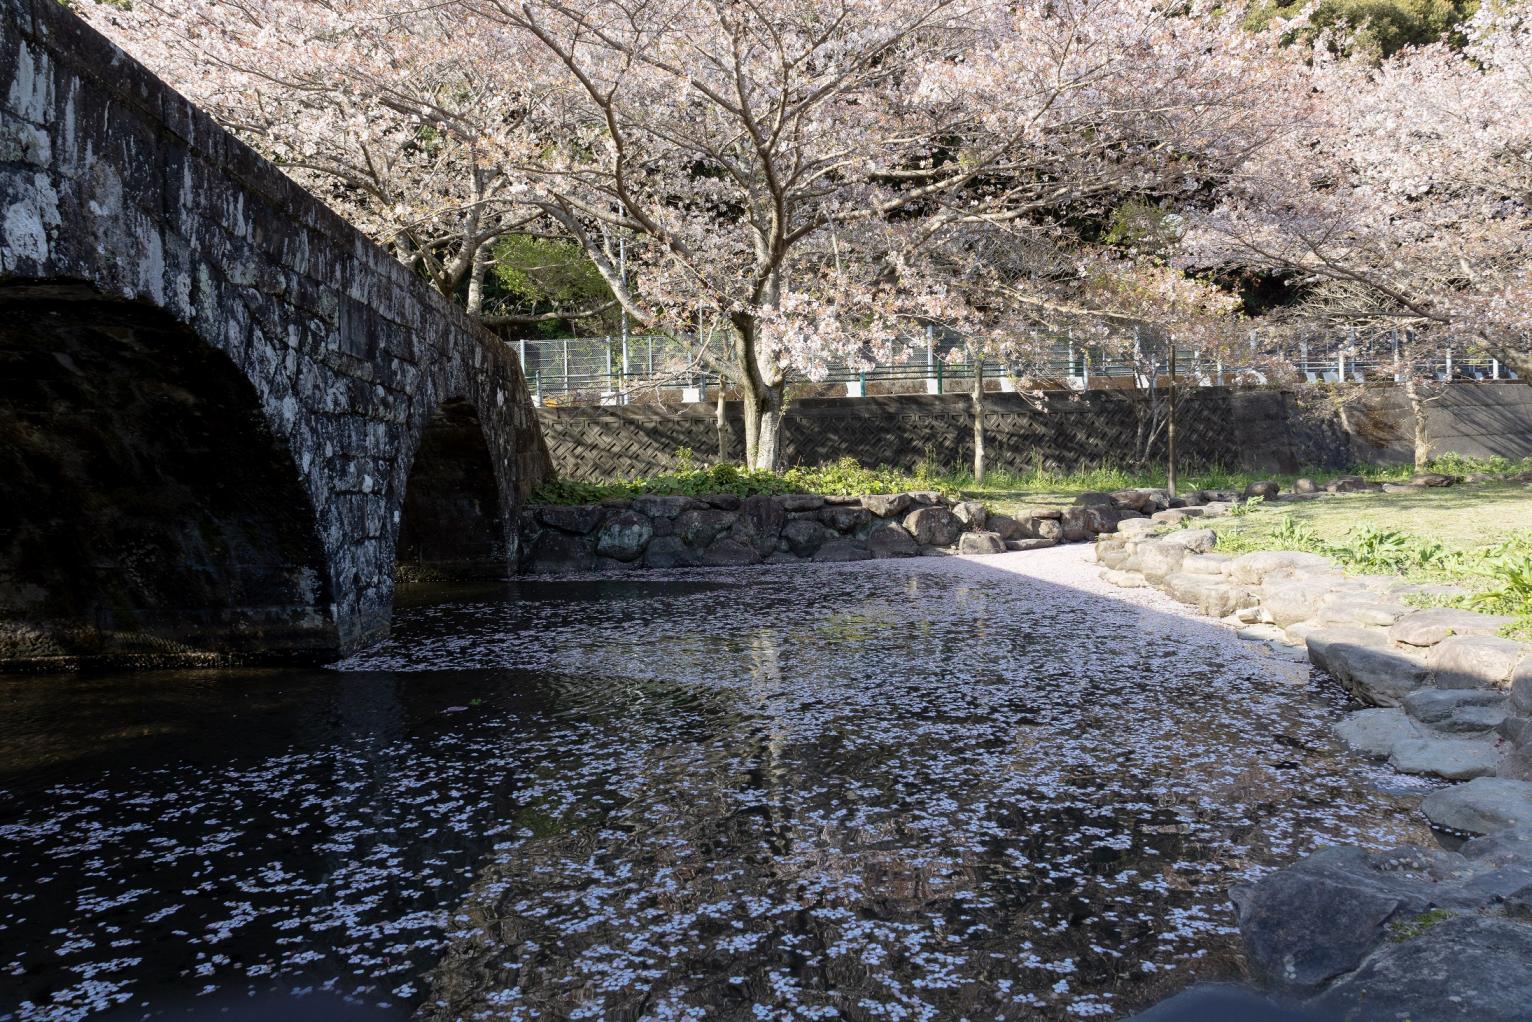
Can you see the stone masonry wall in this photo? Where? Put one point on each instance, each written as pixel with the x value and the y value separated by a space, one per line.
pixel 113 185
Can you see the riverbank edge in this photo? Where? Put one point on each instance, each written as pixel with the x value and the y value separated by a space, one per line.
pixel 1413 932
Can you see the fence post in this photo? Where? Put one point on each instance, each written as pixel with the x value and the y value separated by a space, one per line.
pixel 1303 356
pixel 1494 369
pixel 537 388
pixel 1449 362
pixel 566 363
pixel 521 353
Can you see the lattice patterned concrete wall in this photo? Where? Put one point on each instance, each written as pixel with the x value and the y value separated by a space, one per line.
pixel 1067 431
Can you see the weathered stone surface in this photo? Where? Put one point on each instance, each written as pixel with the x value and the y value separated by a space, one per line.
pixel 1429 627
pixel 1193 541
pixel 1347 608
pixel 1521 687
pixel 1365 665
pixel 1434 479
pixel 730 553
pixel 1474 661
pixel 1029 544
pixel 670 552
pixel 759 523
pixel 1288 600
pixel 722 501
pixel 1212 595
pixel 890 539
pixel 1206 564
pixel 661 507
pixel 1375 732
pixel 934 526
pixel 981 543
pixel 1464 969
pixel 1255 568
pixel 1305 485
pixel 1263 488
pixel 887 505
pixel 576 519
pixel 1482 806
pixel 1008 527
pixel 1076 524
pixel 1093 498
pixel 1351 484
pixel 624 536
pixel 843 550
pixel 1137 527
pixel 1456 759
pixel 1307 924
pixel 928 498
pixel 1457 710
pixel 1157 560
pixel 801 502
pixel 972 514
pixel 1035 527
pixel 557 552
pixel 698 528
pixel 1107 519
pixel 1124 579
pixel 845 519
pixel 803 537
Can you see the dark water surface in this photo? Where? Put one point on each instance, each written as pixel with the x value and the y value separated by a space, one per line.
pixel 889 791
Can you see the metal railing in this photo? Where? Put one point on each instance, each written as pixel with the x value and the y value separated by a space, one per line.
pixel 614 369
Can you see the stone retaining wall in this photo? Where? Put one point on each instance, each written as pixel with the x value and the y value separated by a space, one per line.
pixel 1414 932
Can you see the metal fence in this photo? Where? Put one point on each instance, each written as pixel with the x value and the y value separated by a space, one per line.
pixel 615 369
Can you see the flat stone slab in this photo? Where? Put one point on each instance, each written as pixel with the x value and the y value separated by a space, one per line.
pixel 1364 662
pixel 1253 568
pixel 1376 732
pixel 1428 627
pixel 1345 608
pixel 1456 759
pixel 1457 710
pixel 1124 579
pixel 1482 806
pixel 1030 544
pixel 1474 661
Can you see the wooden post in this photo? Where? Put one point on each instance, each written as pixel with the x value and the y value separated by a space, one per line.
pixel 1170 428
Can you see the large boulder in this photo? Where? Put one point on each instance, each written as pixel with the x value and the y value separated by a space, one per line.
pixel 1038 527
pixel 624 536
pixel 887 505
pixel 934 526
pixel 1305 925
pixel 1093 498
pixel 1352 484
pixel 1375 732
pixel 1482 806
pixel 760 523
pixel 1193 541
pixel 1157 560
pixel 1474 661
pixel 1076 524
pixel 981 543
pixel 1463 968
pixel 1263 488
pixel 1364 663
pixel 1107 519
pixel 670 552
pixel 890 539
pixel 729 552
pixel 699 527
pixel 661 507
pixel 558 553
pixel 801 502
pixel 843 550
pixel 575 519
pixel 846 519
pixel 1006 526
pixel 1305 485
pixel 1429 627
pixel 972 514
pixel 804 536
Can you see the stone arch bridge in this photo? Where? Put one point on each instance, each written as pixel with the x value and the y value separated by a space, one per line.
pixel 224 414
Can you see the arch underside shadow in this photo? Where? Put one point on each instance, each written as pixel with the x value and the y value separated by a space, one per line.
pixel 147 512
pixel 452 526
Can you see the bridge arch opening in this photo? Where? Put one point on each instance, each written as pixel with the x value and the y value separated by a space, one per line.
pixel 452 526
pixel 148 514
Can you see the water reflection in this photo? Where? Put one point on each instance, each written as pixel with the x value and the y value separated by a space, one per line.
pixel 869 793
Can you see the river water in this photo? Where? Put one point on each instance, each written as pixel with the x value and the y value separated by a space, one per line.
pixel 936 789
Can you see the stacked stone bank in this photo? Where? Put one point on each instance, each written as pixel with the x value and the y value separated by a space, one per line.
pixel 1411 933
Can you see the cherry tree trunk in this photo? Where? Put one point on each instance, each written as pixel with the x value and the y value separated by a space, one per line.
pixel 768 443
pixel 978 421
pixel 1420 413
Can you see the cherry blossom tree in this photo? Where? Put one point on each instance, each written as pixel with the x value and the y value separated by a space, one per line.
pixel 1402 204
pixel 778 164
